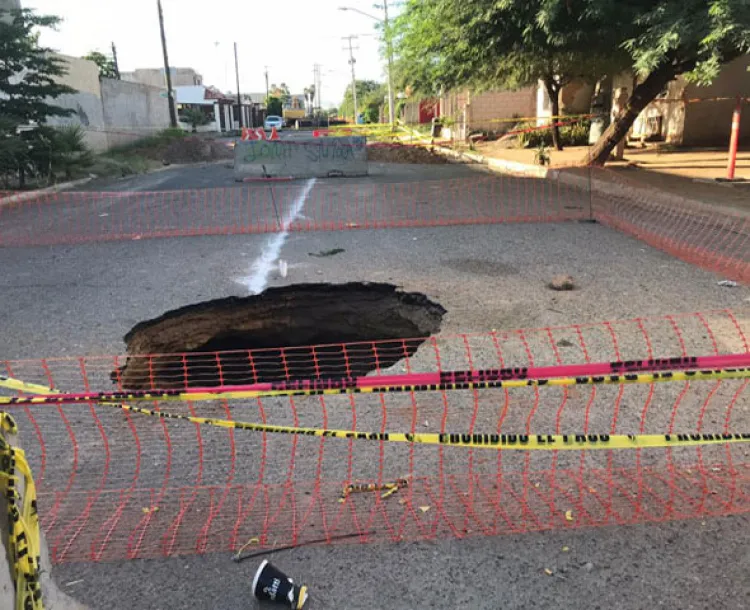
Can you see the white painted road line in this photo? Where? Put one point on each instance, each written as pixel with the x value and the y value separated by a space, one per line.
pixel 257 281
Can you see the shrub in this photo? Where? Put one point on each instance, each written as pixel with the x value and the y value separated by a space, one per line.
pixel 195 117
pixel 68 150
pixel 576 134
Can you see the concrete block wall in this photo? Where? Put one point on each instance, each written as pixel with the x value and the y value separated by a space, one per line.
pixel 111 112
pixel 83 76
pixel 484 107
pixel 155 77
pixel 132 110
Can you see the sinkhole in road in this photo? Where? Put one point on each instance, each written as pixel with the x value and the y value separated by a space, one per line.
pixel 356 328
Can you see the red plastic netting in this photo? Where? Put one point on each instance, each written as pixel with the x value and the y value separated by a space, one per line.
pixel 117 485
pixel 715 238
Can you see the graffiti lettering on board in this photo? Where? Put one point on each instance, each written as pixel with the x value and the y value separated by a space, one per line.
pixel 266 151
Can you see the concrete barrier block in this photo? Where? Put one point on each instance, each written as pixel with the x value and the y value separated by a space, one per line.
pixel 301 158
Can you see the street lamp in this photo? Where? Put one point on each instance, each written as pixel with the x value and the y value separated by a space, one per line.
pixel 389 50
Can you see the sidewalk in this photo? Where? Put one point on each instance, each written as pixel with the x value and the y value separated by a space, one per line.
pixel 685 173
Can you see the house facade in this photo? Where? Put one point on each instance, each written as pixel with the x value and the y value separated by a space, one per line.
pixel 220 109
pixel 686 114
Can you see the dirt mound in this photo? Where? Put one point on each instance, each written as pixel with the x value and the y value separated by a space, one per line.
pixel 401 153
pixel 195 149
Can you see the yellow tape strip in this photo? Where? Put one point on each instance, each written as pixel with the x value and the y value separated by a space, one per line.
pixel 545 118
pixel 171 395
pixel 525 442
pixel 22 386
pixel 24 539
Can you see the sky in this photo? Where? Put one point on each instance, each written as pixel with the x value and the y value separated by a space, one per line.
pixel 288 36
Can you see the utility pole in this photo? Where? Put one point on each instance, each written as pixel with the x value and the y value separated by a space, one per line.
pixel 389 50
pixel 114 60
pixel 352 61
pixel 170 96
pixel 316 81
pixel 267 92
pixel 239 97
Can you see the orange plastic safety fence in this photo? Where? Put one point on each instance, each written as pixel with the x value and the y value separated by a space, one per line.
pixel 80 217
pixel 114 484
pixel 712 237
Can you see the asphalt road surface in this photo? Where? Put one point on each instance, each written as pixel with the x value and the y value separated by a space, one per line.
pixel 68 300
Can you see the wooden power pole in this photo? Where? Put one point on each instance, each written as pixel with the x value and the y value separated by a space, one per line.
pixel 170 96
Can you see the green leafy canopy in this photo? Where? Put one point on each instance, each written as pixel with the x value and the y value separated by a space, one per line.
pixel 29 72
pixel 106 64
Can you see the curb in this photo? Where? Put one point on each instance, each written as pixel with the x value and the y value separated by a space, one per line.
pixel 598 186
pixel 56 188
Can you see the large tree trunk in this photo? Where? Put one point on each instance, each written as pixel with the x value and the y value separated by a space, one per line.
pixel 553 91
pixel 618 129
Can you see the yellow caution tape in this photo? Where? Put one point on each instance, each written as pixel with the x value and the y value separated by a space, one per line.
pixel 24 540
pixel 228 394
pixel 23 386
pixel 525 442
pixel 525 119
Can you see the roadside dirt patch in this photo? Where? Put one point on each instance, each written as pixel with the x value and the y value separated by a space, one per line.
pixel 250 330
pixel 401 153
pixel 194 149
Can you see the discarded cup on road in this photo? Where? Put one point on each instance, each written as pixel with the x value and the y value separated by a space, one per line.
pixel 271 584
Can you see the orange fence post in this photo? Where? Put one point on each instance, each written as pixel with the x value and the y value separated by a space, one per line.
pixel 734 140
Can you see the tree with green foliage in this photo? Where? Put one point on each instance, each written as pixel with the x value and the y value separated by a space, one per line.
pixel 107 67
pixel 446 44
pixel 195 117
pixel 282 92
pixel 506 44
pixel 274 106
pixel 370 98
pixel 29 76
pixel 669 38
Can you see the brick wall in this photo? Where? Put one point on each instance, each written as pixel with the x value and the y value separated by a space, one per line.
pixel 484 107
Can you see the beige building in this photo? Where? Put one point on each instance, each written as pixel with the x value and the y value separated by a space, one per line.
pixel 155 77
pixel 686 114
pixel 575 98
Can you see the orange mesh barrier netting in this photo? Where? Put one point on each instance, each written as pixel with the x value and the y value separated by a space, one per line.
pixel 115 484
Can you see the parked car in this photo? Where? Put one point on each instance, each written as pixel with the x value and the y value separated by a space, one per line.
pixel 273 121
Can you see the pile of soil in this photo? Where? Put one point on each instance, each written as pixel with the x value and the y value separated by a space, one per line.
pixel 401 153
pixel 195 149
